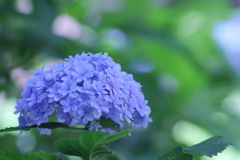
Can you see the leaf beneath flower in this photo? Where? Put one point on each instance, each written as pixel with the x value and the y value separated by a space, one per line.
pixel 90 145
pixel 14 155
pixel 49 125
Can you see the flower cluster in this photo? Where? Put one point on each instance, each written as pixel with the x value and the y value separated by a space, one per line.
pixel 80 90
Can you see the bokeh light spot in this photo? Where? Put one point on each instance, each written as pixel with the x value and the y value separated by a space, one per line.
pixel 67 27
pixel 168 83
pixel 232 103
pixel 188 133
pixel 141 65
pixel 190 23
pixel 26 142
pixel 7 118
pixel 116 39
pixel 227 36
pixel 24 6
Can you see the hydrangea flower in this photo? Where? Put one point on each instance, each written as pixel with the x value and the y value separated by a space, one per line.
pixel 80 90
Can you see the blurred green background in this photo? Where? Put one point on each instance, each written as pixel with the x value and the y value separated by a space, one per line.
pixel 185 53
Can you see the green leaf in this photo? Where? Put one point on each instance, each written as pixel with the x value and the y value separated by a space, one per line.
pixel 49 125
pixel 15 129
pixel 90 144
pixel 10 155
pixel 40 156
pixel 111 158
pixel 115 157
pixel 14 155
pixel 177 154
pixel 210 147
pixel 108 123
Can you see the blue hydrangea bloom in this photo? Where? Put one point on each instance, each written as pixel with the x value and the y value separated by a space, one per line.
pixel 80 90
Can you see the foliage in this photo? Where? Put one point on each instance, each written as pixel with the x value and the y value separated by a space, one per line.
pixel 177 153
pixel 210 147
pixel 90 145
pixel 13 155
pixel 49 125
